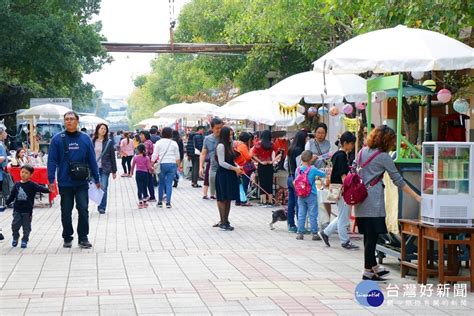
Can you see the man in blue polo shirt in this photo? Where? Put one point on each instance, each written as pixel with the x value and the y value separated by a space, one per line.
pixel 73 148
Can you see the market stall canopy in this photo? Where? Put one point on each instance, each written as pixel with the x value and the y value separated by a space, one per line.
pixel 316 87
pixel 398 49
pixel 44 111
pixel 91 120
pixel 195 111
pixel 258 106
pixel 160 122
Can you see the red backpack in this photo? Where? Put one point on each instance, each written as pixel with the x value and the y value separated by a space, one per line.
pixel 301 184
pixel 354 191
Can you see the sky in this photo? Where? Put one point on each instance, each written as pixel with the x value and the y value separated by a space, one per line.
pixel 130 21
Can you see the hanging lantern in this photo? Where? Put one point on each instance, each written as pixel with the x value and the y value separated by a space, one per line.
pixel 300 109
pixel 430 84
pixel 323 110
pixel 347 109
pixel 444 95
pixel 417 75
pixel 360 106
pixel 312 111
pixel 334 111
pixel 461 105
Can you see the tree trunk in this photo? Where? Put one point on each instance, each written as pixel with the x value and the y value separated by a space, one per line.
pixel 410 117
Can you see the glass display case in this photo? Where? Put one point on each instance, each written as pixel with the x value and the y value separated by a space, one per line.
pixel 447 183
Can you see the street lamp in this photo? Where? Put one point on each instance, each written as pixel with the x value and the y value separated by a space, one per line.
pixel 271 76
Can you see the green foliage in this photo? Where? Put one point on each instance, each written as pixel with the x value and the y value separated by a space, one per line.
pixel 45 48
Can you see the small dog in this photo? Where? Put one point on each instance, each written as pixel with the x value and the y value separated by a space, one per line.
pixel 278 216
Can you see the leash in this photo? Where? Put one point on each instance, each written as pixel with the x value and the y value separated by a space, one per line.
pixel 254 182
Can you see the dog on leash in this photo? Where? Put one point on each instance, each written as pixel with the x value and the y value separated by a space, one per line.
pixel 278 216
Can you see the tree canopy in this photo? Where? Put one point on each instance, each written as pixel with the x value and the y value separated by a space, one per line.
pixel 45 48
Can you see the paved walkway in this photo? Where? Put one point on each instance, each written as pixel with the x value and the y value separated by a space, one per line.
pixel 171 261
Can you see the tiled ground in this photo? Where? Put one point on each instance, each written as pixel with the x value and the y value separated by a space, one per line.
pixel 171 261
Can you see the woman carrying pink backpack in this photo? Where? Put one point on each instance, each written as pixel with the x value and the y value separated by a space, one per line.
pixel 370 213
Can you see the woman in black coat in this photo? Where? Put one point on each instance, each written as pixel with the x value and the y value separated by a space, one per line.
pixel 105 156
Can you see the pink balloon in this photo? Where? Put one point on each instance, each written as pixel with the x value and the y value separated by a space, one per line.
pixel 361 106
pixel 347 109
pixel 333 111
pixel 312 111
pixel 444 95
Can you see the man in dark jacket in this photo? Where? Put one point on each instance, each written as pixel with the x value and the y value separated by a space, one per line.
pixel 73 148
pixel 154 134
pixel 193 149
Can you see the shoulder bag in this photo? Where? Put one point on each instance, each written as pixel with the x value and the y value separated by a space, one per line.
pixel 78 171
pixel 157 166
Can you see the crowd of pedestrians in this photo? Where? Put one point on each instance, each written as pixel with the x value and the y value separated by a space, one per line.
pixel 226 162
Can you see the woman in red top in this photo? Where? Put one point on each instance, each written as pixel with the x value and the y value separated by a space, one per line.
pixel 264 154
pixel 244 160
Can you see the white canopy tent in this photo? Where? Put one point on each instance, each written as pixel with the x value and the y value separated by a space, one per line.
pixel 257 106
pixel 160 122
pixel 398 49
pixel 190 111
pixel 318 88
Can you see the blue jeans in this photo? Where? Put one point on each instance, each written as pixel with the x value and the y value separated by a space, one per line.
pixel 81 195
pixel 167 174
pixel 340 222
pixel 142 178
pixel 292 202
pixel 308 205
pixel 151 187
pixel 104 182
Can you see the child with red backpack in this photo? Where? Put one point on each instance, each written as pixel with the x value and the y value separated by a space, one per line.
pixel 306 191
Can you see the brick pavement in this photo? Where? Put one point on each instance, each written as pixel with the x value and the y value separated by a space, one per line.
pixel 171 261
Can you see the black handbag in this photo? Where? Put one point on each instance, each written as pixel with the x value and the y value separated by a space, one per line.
pixel 78 171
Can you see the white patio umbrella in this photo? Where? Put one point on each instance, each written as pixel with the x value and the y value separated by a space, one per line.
pixel 195 111
pixel 398 49
pixel 160 122
pixel 44 111
pixel 257 106
pixel 91 120
pixel 315 87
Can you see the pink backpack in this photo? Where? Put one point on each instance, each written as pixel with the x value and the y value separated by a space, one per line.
pixel 301 184
pixel 354 191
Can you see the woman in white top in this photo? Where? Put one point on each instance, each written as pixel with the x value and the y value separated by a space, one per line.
pixel 20 158
pixel 166 153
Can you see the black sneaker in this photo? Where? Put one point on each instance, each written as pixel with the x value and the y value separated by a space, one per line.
pixel 85 244
pixel 168 205
pixel 226 227
pixel 324 237
pixel 1 236
pixel 159 204
pixel 14 242
pixel 350 246
pixel 316 237
pixel 67 244
pixel 101 211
